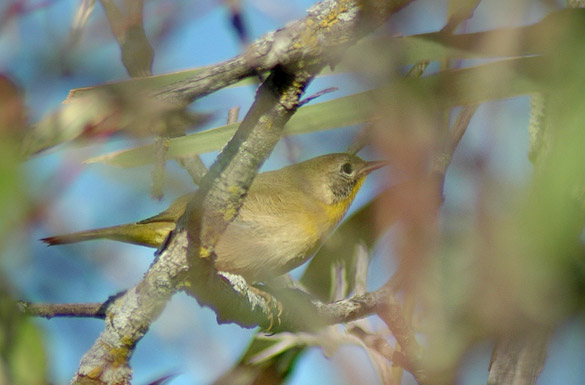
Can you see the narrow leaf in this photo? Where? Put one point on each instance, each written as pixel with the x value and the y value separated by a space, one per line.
pixel 471 85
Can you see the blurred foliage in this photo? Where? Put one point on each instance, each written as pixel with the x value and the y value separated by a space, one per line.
pixel 272 371
pixel 516 262
pixel 98 107
pixel 22 350
pixel 12 125
pixel 510 261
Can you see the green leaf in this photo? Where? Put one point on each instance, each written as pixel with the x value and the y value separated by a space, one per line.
pixel 323 116
pixel 28 361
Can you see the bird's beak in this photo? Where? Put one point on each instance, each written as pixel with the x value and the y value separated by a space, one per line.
pixel 371 166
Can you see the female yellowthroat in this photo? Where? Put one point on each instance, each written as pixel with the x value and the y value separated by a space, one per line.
pixel 283 221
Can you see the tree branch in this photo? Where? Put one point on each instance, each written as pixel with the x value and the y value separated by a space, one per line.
pixel 50 310
pixel 330 27
pixel 322 314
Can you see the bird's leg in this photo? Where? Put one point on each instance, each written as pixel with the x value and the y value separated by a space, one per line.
pixel 272 304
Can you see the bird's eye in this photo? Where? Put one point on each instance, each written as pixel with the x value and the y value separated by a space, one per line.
pixel 347 168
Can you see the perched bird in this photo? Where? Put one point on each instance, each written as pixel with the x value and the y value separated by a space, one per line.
pixel 285 218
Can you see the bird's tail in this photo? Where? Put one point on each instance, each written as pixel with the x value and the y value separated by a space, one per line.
pixel 150 234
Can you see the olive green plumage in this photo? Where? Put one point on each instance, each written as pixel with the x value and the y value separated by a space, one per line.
pixel 284 219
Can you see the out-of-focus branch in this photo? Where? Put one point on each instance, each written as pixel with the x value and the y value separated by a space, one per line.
pixel 519 359
pixel 520 354
pixel 128 29
pixel 82 14
pixel 443 159
pixel 233 115
pixel 237 20
pixel 137 56
pixel 374 341
pixel 193 164
pixel 459 15
pixel 391 312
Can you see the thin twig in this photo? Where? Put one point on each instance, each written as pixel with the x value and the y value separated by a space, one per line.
pixel 374 342
pixel 417 70
pixel 443 160
pixel 233 115
pixel 346 310
pixel 194 167
pixel 339 282
pixel 128 29
pixel 361 139
pixel 361 269
pixel 237 20
pixel 193 164
pixel 50 310
pixel 391 312
pixel 317 95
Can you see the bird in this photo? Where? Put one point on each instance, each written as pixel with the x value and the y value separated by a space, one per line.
pixel 285 218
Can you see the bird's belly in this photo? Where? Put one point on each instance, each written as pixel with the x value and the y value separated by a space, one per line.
pixel 259 253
